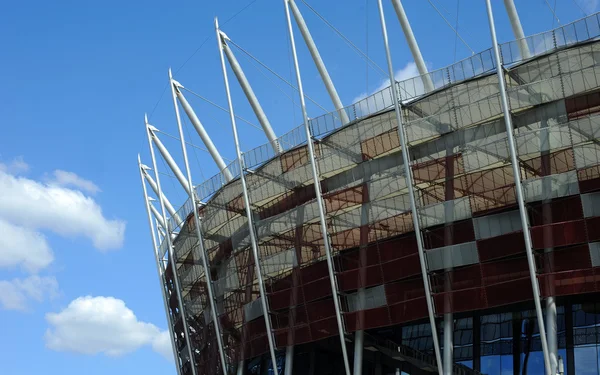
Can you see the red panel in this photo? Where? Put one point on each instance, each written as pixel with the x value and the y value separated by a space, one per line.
pixel 398 247
pixel 593 228
pixel 404 291
pixel 589 179
pixel 324 328
pixel 408 311
pixel 318 289
pixel 556 211
pixel 571 282
pixel 501 246
pixel 452 234
pixel 461 278
pixel 505 270
pixel 509 292
pixel 573 258
pixel 314 271
pixel 559 234
pixel 401 268
pixel 352 280
pixel 320 310
pixel 463 300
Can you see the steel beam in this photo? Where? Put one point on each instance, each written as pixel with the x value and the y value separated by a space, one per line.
pixel 411 195
pixel 203 253
pixel 159 269
pixel 254 244
pixel 517 28
pixel 172 258
pixel 413 45
pixel 169 159
pixel 317 184
pixel 210 146
pixel 154 187
pixel 519 191
pixel 252 99
pixel 316 56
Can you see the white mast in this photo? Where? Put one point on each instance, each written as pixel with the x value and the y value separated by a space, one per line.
pixel 252 99
pixel 154 187
pixel 517 28
pixel 210 146
pixel 413 45
pixel 314 52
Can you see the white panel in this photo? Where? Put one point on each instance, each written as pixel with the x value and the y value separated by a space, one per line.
pixel 366 299
pixel 549 187
pixel 587 155
pixel 228 279
pixel 253 310
pixel 275 264
pixel 445 212
pixel 595 253
pixel 496 225
pixel 591 204
pixel 452 256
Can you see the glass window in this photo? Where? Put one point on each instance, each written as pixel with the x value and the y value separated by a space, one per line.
pixel 496 344
pixel 586 334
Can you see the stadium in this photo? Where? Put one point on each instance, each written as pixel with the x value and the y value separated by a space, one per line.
pixel 317 253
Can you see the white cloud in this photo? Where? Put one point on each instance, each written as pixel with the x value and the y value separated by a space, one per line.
pixel 94 325
pixel 64 178
pixel 23 247
pixel 16 166
pixel 67 212
pixel 409 71
pixel 16 294
pixel 162 345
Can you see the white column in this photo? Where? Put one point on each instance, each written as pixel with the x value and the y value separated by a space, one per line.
pixel 519 190
pixel 314 52
pixel 172 259
pixel 203 254
pixel 517 28
pixel 289 360
pixel 413 45
pixel 320 203
pixel 252 99
pixel 210 146
pixel 359 344
pixel 159 268
pixel 154 187
pixel 411 195
pixel 169 159
pixel 249 213
pixel 448 343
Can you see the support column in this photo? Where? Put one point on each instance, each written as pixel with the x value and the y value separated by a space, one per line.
pixel 154 187
pixel 317 185
pixel 314 52
pixel 249 213
pixel 252 99
pixel 159 269
pixel 411 195
pixel 172 259
pixel 289 360
pixel 169 159
pixel 413 45
pixel 359 345
pixel 517 28
pixel 210 146
pixel 203 253
pixel 519 190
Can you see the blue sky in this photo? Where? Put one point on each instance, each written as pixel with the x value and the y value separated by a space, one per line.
pixel 78 284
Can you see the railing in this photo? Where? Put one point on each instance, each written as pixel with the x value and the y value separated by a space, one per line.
pixel 410 89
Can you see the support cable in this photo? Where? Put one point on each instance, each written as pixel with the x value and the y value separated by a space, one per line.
pixel 348 41
pixel 452 27
pixel 187 129
pixel 273 72
pixel 186 142
pixel 456 36
pixel 585 14
pixel 553 11
pixel 219 107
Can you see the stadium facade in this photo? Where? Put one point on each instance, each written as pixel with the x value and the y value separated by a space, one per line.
pixel 351 275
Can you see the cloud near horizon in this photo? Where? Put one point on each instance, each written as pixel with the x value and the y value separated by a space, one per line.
pixel 103 325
